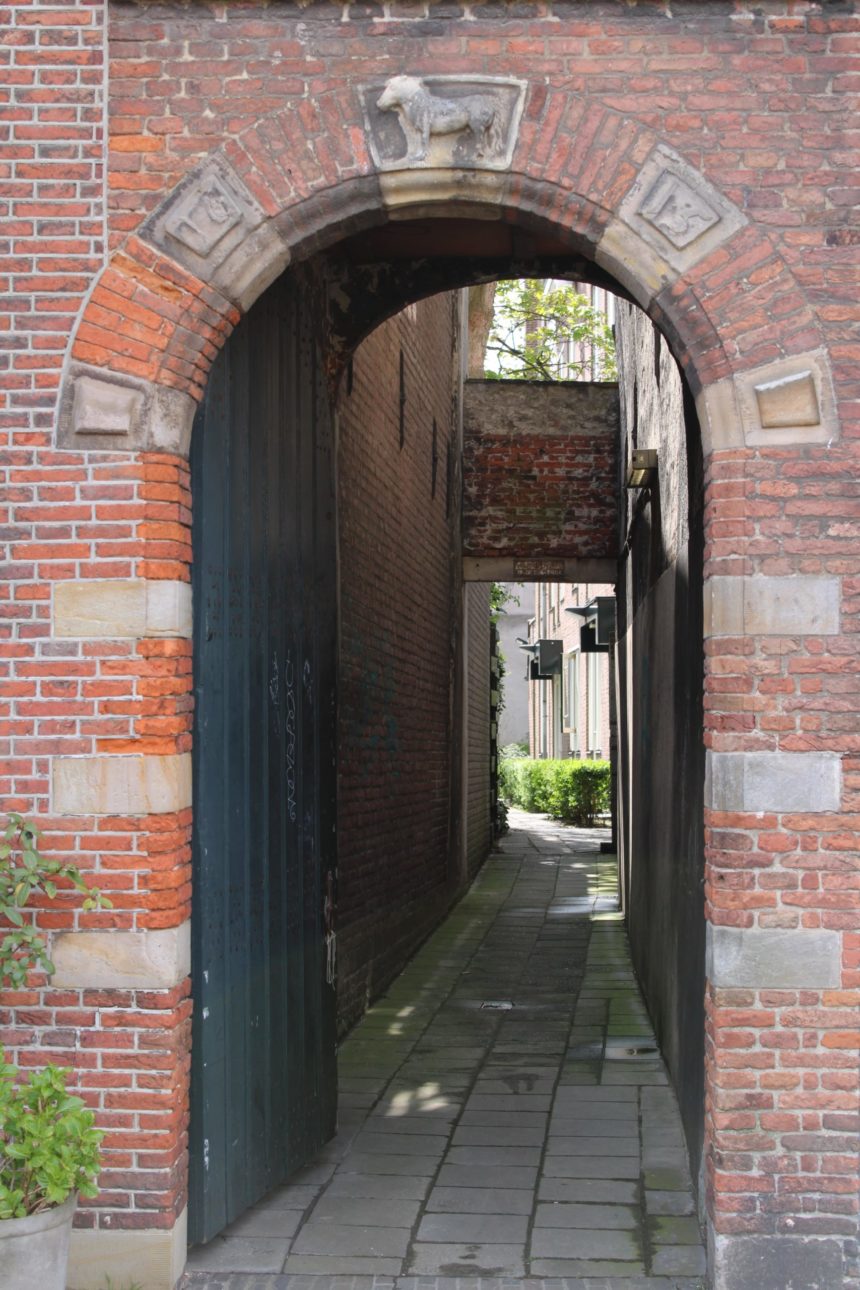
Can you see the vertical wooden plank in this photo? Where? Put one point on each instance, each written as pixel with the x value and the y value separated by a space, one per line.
pixel 264 425
pixel 208 1129
pixel 237 785
pixel 326 620
pixel 264 1074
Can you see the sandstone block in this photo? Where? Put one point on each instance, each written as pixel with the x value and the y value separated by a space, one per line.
pixel 121 608
pixel 759 958
pixel 152 1260
pixel 775 1262
pixel 790 401
pixel 113 411
pixel 121 785
pixel 719 417
pixel 148 960
pixel 762 606
pixel 773 781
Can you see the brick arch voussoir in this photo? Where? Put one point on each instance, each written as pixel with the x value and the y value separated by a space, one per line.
pixel 303 177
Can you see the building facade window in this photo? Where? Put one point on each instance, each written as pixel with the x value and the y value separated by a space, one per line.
pixel 593 705
pixel 571 702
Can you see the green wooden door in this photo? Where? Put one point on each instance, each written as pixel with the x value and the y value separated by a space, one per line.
pixel 263 1068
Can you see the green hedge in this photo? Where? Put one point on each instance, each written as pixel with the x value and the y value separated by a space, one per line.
pixel 573 791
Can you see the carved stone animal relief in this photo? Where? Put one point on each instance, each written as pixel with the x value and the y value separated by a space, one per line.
pixel 443 121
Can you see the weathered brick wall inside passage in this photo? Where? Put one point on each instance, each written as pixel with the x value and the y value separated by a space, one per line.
pixel 539 469
pixel 400 628
pixel 479 834
pixel 660 667
pixel 759 101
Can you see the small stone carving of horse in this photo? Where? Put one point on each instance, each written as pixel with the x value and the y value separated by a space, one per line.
pixel 423 114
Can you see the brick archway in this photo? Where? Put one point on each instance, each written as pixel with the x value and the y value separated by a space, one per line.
pixel 734 312
pixel 172 292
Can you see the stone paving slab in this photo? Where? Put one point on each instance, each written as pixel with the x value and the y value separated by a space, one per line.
pixel 252 1281
pixel 467 1257
pixel 480 1200
pixel 534 1144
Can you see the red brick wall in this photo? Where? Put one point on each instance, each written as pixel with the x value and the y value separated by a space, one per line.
pixel 477 665
pixel 539 468
pixel 399 621
pixel 760 101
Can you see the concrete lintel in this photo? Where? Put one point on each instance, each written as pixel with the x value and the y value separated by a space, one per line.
pixel 775 1262
pixel 153 1260
pixel 762 958
pixel 121 784
pixel 121 608
pixel 764 606
pixel 548 569
pixel 113 960
pixel 113 412
pixel 773 781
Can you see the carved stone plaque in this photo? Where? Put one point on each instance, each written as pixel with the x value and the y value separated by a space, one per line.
pixel 203 217
pixel 539 568
pixel 214 226
pixel 111 411
pixel 443 121
pixel 103 407
pixel 674 210
pixel 677 210
pixel 788 401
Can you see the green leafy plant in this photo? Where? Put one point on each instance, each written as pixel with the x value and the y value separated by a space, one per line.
pixel 500 597
pixel 574 791
pixel 48 1145
pixel 24 872
pixel 544 330
pixel 579 791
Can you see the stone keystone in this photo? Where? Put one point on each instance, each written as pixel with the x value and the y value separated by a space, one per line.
pixel 440 122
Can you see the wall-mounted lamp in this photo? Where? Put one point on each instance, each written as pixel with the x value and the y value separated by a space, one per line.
pixel 546 658
pixel 642 469
pixel 599 615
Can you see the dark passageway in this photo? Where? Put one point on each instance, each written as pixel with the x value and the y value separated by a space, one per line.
pixel 503 1108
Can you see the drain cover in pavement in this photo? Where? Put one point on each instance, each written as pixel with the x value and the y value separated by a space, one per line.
pixel 626 1049
pixel 497 1005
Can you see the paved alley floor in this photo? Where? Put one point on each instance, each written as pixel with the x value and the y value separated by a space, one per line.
pixel 504 1112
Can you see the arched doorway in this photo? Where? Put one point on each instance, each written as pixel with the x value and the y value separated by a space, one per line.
pixel 740 394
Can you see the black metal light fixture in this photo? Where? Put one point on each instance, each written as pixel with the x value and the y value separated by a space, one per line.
pixel 600 621
pixel 642 469
pixel 599 615
pixel 546 658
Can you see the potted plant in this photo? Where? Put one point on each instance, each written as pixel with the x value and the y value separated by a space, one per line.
pixel 49 1147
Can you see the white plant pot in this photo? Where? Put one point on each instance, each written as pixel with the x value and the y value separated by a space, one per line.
pixel 34 1251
